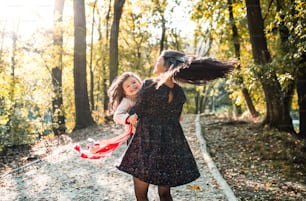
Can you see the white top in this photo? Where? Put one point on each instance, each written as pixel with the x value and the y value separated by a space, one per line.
pixel 123 109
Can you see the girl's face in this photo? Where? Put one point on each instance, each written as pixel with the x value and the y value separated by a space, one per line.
pixel 131 86
pixel 159 66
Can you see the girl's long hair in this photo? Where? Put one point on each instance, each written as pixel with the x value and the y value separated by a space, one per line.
pixel 116 92
pixel 192 69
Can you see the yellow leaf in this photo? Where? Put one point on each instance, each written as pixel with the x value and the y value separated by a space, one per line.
pixel 194 188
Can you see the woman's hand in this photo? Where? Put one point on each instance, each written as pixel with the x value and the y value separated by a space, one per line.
pixel 181 118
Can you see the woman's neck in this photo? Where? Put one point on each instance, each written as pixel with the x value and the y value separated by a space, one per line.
pixel 169 83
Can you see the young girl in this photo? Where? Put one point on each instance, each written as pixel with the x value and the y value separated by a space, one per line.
pixel 122 94
pixel 122 97
pixel 159 153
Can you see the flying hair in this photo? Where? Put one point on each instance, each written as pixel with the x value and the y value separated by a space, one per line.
pixel 192 69
pixel 204 69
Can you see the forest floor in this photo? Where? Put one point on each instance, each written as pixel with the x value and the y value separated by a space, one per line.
pixel 257 163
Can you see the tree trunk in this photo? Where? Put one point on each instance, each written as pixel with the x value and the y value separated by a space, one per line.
pixel 276 116
pixel 288 92
pixel 249 102
pixel 202 104
pixel 236 41
pixel 197 103
pixel 83 115
pixel 301 73
pixel 91 71
pixel 13 66
pixel 113 50
pixel 163 35
pixel 58 117
pixel 301 90
pixel 106 99
pixel 205 99
pixel 284 36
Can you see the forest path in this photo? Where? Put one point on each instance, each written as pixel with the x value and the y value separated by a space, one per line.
pixel 63 175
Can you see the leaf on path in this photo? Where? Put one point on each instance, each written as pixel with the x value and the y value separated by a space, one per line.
pixel 194 188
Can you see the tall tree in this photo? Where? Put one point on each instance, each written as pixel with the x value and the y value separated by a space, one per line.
pixel 301 90
pixel 58 117
pixel 113 46
pixel 288 91
pixel 236 42
pixel 291 19
pixel 82 110
pixel 104 64
pixel 276 116
pixel 91 70
pixel 159 9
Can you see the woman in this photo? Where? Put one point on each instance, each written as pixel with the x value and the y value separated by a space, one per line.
pixel 159 153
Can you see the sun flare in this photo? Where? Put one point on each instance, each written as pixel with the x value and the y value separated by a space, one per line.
pixel 25 16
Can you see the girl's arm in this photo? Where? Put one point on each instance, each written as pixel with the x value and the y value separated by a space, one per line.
pixel 122 112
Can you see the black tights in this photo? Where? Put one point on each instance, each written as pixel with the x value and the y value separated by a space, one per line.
pixel 141 191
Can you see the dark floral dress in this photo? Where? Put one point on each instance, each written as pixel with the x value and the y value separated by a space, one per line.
pixel 159 152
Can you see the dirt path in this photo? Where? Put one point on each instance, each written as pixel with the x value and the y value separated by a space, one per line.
pixel 63 175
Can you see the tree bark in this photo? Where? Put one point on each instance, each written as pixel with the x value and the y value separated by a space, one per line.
pixel 284 34
pixel 113 50
pixel 276 116
pixel 249 102
pixel 91 70
pixel 106 98
pixel 58 117
pixel 163 35
pixel 301 90
pixel 83 115
pixel 197 102
pixel 300 78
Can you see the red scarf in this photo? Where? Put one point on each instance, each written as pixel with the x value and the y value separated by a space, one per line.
pixel 104 147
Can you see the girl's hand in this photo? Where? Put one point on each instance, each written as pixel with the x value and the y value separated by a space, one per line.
pixel 133 119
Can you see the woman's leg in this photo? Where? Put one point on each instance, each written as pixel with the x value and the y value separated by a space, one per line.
pixel 141 189
pixel 164 193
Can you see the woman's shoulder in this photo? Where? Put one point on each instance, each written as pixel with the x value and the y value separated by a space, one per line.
pixel 148 83
pixel 179 89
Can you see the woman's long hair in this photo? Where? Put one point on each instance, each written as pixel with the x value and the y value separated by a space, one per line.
pixel 192 69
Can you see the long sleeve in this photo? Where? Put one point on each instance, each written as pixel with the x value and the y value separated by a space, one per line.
pixel 122 111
